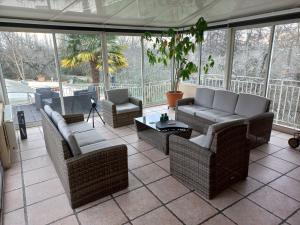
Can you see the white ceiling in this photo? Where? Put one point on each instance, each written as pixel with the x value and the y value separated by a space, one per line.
pixel 149 13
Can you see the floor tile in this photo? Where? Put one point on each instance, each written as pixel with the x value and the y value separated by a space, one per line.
pixel 247 186
pixel 262 173
pixel 94 203
pixel 137 160
pixel 14 218
pixel 257 154
pixel 149 173
pixel 284 136
pixel 165 164
pixel 277 164
pixel 12 182
pixel 295 174
pixel 246 212
pixel 125 132
pixel 36 163
pixel 30 154
pixel 132 138
pixel 133 184
pixel 44 190
pixel 107 213
pixel 28 145
pixel 269 148
pixel 168 189
pixel 13 200
pixel 275 202
pixel 159 216
pixel 39 175
pixel 70 220
pixel 225 198
pixel 137 202
pixel 14 169
pixel 155 154
pixel 49 210
pixel 289 155
pixel 191 209
pixel 219 220
pixel 287 186
pixel 131 150
pixel 142 146
pixel 295 219
pixel 280 142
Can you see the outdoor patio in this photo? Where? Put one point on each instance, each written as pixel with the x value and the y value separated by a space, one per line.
pixel 270 195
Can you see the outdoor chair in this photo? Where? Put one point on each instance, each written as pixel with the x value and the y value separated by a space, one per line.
pixel 91 91
pixel 43 93
pixel 212 162
pixel 119 109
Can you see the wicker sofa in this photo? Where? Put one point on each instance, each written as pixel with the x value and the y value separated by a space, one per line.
pixel 214 106
pixel 93 169
pixel 210 163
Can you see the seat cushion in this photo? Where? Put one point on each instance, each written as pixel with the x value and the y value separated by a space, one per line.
pixel 88 137
pixel 56 118
pixel 251 105
pixel 191 109
pixel 225 101
pixel 48 110
pixel 100 145
pixel 80 126
pixel 69 137
pixel 204 97
pixel 230 118
pixel 126 107
pixel 202 140
pixel 118 96
pixel 211 114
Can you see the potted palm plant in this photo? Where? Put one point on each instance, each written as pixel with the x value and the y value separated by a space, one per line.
pixel 174 46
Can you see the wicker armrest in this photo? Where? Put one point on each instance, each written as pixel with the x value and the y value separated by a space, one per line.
pixel 91 168
pixel 74 118
pixel 261 123
pixel 191 150
pixel 185 101
pixel 136 101
pixel 108 106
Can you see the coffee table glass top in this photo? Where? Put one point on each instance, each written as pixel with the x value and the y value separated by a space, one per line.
pixel 152 119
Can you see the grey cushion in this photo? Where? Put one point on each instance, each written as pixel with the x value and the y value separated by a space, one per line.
pixel 191 109
pixel 225 101
pixel 48 110
pixel 204 97
pixel 211 114
pixel 88 137
pixel 127 107
pixel 206 140
pixel 69 137
pixel 118 96
pixel 80 126
pixel 230 118
pixel 251 105
pixel 99 145
pixel 56 117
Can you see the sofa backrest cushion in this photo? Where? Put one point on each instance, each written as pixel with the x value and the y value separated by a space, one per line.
pixel 44 91
pixel 251 105
pixel 48 110
pixel 204 97
pixel 56 117
pixel 225 101
pixel 69 137
pixel 118 96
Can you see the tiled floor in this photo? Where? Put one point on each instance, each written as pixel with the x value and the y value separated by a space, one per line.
pixel 270 195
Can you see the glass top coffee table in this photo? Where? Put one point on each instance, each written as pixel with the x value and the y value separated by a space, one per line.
pixel 151 130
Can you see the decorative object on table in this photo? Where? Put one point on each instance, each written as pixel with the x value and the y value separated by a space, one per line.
pixel 164 117
pixel 22 124
pixel 93 110
pixel 176 46
pixel 294 142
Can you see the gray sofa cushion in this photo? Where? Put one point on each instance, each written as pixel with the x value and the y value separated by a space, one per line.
pixel 88 137
pixel 100 145
pixel 191 109
pixel 251 105
pixel 48 110
pixel 225 101
pixel 204 97
pixel 69 137
pixel 202 140
pixel 229 118
pixel 80 126
pixel 56 117
pixel 211 114
pixel 127 107
pixel 118 96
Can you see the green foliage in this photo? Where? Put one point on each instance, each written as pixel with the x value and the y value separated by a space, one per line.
pixel 173 45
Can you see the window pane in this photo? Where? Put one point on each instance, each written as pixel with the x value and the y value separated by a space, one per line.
pixel 214 45
pixel 250 60
pixel 284 82
pixel 195 58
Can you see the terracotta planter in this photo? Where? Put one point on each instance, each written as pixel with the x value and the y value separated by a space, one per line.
pixel 172 97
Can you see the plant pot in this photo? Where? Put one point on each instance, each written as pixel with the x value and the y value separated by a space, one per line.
pixel 173 96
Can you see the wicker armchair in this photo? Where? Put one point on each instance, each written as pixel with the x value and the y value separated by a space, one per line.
pixel 119 109
pixel 210 165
